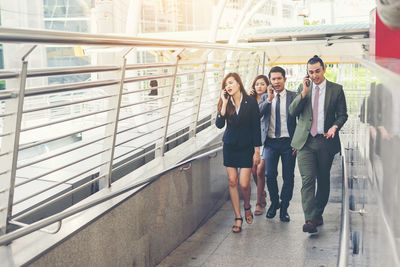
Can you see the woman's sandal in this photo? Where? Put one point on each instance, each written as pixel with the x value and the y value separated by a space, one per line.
pixel 248 215
pixel 237 229
pixel 259 212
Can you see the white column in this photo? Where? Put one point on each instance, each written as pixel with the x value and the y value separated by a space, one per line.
pixel 216 20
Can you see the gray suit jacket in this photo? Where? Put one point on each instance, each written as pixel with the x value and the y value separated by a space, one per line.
pixel 335 113
pixel 265 112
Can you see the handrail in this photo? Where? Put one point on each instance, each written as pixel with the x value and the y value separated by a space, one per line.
pixel 345 223
pixel 55 71
pixel 52 116
pixel 7 238
pixel 18 35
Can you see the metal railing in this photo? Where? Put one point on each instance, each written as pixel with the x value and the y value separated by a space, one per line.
pixel 79 135
pixel 370 180
pixel 344 229
pixel 27 229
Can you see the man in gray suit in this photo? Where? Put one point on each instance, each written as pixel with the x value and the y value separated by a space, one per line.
pixel 277 129
pixel 321 109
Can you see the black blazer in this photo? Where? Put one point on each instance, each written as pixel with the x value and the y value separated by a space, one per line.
pixel 244 129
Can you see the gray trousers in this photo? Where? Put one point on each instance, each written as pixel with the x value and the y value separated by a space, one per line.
pixel 315 162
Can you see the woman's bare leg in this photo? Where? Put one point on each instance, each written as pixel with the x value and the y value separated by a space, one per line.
pixel 254 173
pixel 234 192
pixel 261 182
pixel 245 188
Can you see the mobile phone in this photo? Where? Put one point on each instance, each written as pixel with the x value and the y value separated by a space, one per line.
pixel 271 91
pixel 226 95
pixel 308 81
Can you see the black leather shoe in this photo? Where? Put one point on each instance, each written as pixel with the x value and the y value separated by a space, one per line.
pixel 310 228
pixel 283 215
pixel 318 220
pixel 272 210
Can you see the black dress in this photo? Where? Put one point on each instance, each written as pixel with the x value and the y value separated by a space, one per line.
pixel 238 157
pixel 242 134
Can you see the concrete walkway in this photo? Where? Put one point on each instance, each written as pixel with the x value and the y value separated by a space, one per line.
pixel 266 242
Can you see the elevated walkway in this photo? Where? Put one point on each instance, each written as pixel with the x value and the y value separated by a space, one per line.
pixel 266 242
pixel 145 199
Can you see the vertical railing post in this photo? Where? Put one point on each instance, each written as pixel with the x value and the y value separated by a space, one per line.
pixel 8 178
pixel 250 70
pixel 218 86
pixel 263 64
pixel 117 112
pixel 257 62
pixel 238 64
pixel 204 72
pixel 248 66
pixel 223 70
pixel 176 55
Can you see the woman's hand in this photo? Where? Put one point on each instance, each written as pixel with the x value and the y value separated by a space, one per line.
pixel 224 96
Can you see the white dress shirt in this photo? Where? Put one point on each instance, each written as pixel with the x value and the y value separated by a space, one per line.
pixel 284 129
pixel 321 105
pixel 240 103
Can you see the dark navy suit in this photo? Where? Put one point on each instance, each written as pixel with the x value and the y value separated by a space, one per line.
pixel 278 147
pixel 242 134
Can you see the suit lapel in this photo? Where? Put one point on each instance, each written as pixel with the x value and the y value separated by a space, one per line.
pixel 288 98
pixel 310 107
pixel 328 94
pixel 243 107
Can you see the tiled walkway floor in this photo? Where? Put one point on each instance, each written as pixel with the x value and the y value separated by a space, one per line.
pixel 266 242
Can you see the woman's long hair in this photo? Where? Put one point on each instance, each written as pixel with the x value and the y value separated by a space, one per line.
pixel 253 86
pixel 230 108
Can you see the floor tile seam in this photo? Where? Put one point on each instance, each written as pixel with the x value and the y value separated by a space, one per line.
pixel 216 248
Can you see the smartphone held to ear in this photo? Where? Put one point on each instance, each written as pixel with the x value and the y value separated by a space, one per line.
pixel 271 90
pixel 308 81
pixel 226 95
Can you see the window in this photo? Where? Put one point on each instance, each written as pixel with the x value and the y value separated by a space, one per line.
pixel 65 56
pixel 66 8
pixel 286 11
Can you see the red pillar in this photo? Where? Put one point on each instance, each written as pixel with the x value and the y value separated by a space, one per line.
pixel 384 43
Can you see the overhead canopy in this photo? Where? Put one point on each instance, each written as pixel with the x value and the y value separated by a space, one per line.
pixel 295 45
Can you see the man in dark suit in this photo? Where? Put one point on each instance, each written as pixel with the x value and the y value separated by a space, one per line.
pixel 321 109
pixel 277 129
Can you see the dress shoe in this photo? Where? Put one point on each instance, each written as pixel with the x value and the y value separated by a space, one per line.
pixel 283 215
pixel 272 210
pixel 318 220
pixel 309 227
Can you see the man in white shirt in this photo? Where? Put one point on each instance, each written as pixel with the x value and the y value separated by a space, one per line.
pixel 277 129
pixel 321 109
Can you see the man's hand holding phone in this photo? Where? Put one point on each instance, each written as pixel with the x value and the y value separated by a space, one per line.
pixel 270 92
pixel 306 86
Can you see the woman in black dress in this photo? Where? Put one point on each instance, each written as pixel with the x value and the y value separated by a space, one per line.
pixel 242 138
